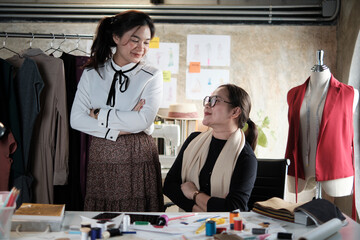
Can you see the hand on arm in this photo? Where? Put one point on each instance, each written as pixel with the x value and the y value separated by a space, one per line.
pixel 94 113
pixel 196 208
pixel 137 108
pixel 139 105
pixel 191 192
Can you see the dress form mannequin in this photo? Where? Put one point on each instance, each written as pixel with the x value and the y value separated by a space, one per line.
pixel 310 118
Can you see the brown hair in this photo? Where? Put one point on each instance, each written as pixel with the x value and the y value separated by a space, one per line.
pixel 118 25
pixel 240 98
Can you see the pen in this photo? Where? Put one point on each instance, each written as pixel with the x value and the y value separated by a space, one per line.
pixel 204 219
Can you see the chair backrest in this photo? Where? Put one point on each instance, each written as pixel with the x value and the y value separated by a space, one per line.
pixel 270 180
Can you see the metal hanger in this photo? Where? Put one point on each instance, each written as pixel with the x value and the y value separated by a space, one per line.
pixel 51 43
pixel 77 47
pixel 6 48
pixel 58 49
pixel 31 41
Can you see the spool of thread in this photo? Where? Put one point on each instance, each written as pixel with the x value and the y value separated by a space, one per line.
pixel 85 233
pixel 220 230
pixel 125 223
pixel 210 228
pixel 95 233
pixel 101 224
pixel 284 235
pixel 162 220
pixel 86 225
pixel 238 224
pixel 111 233
pixel 259 230
pixel 232 215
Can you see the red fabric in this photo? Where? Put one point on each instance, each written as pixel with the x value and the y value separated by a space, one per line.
pixel 7 147
pixel 336 132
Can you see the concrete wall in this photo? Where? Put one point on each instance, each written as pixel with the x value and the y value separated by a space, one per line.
pixel 266 61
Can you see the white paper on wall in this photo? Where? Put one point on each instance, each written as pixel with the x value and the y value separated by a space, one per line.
pixel 169 93
pixel 199 85
pixel 209 50
pixel 166 57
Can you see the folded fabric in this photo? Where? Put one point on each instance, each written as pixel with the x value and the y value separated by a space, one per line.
pixel 321 211
pixel 276 208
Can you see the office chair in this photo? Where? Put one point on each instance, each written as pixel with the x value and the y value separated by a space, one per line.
pixel 270 180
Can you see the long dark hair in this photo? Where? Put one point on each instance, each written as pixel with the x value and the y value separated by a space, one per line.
pixel 118 25
pixel 240 98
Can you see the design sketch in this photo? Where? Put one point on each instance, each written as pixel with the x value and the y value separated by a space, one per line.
pixel 166 57
pixel 209 50
pixel 199 85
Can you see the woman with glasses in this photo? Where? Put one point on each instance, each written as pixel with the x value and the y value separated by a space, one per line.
pixel 215 170
pixel 116 102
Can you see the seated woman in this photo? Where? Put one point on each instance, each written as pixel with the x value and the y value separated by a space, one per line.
pixel 215 170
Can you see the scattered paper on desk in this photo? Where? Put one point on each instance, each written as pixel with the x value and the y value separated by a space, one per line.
pixel 114 223
pixel 151 228
pixel 255 222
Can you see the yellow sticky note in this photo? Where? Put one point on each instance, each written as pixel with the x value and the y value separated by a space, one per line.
pixel 167 76
pixel 154 42
pixel 194 67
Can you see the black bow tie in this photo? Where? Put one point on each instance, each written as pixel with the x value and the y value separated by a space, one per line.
pixel 123 81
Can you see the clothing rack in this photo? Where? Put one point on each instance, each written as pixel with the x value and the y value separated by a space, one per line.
pixel 46 35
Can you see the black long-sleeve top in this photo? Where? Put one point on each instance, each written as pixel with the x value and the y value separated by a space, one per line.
pixel 241 185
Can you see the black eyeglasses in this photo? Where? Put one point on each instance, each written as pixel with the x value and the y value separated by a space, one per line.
pixel 213 100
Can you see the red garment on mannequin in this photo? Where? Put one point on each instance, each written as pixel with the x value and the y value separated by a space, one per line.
pixel 334 155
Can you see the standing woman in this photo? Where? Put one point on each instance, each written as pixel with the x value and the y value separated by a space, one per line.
pixel 215 171
pixel 116 102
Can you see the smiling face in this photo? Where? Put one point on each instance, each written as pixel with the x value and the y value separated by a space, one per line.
pixel 223 115
pixel 132 46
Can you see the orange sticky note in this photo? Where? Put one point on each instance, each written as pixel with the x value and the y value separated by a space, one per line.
pixel 194 67
pixel 154 42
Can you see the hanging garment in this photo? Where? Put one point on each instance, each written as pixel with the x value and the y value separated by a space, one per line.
pixel 49 154
pixel 24 98
pixel 85 139
pixel 70 194
pixel 334 155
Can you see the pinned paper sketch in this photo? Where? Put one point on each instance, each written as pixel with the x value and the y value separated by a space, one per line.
pixel 166 57
pixel 169 93
pixel 199 85
pixel 209 50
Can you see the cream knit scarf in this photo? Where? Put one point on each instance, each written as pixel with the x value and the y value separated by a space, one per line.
pixel 195 156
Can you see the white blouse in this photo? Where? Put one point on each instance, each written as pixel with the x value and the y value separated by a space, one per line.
pixel 145 82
